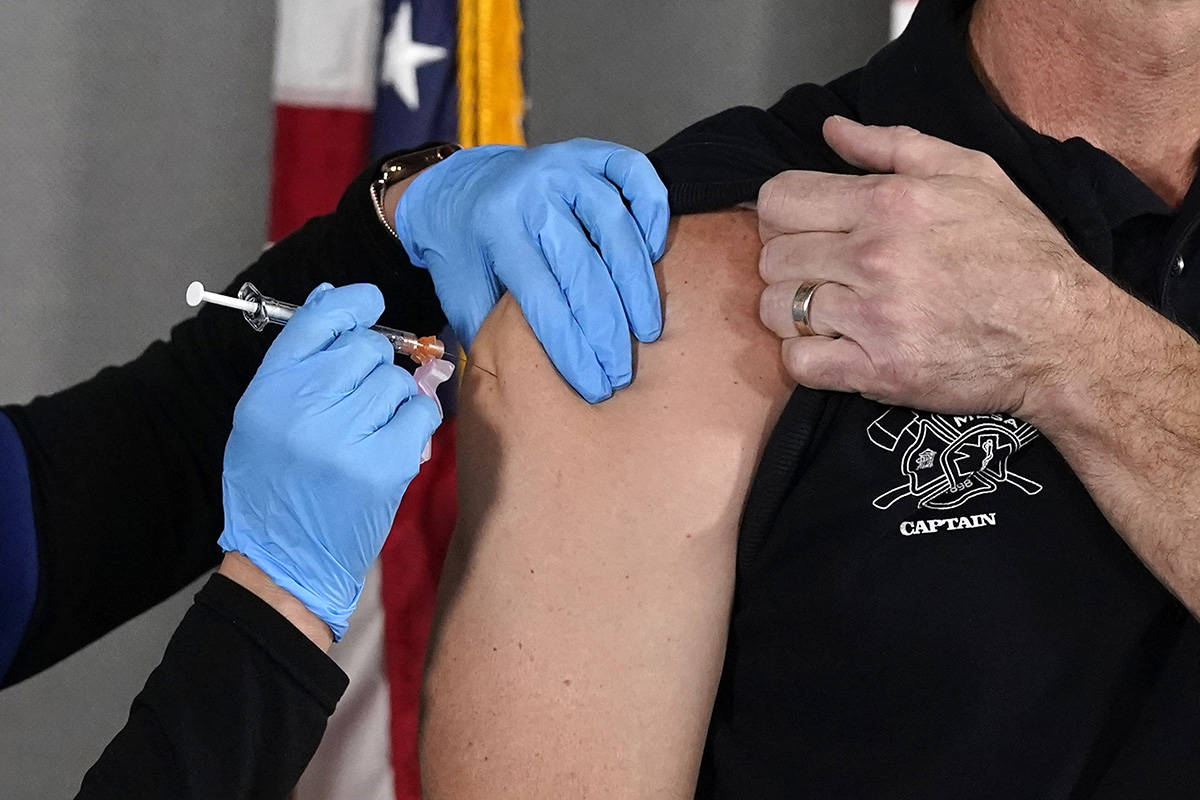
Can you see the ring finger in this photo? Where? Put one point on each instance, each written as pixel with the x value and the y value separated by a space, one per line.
pixel 812 254
pixel 832 309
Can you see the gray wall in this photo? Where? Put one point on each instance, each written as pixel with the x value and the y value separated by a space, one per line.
pixel 134 144
pixel 134 139
pixel 637 72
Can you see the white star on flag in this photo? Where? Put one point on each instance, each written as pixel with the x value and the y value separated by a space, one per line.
pixel 402 57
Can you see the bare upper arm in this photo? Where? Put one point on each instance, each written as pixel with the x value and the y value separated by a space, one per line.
pixel 583 610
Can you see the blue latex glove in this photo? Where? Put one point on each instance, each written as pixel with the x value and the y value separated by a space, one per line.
pixel 571 229
pixel 325 440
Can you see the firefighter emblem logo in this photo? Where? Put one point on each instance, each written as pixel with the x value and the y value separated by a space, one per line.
pixel 948 460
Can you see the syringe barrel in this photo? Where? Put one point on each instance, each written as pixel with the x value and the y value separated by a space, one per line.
pixel 278 312
pixel 419 348
pixel 403 341
pixel 269 310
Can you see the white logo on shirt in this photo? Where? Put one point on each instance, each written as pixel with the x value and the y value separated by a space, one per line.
pixel 948 460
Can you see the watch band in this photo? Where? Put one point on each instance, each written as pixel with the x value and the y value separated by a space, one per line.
pixel 405 166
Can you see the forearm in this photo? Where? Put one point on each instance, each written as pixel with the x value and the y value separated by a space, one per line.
pixel 243 572
pixel 235 709
pixel 1124 411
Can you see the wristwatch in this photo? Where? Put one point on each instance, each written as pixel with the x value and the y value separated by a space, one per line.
pixel 397 169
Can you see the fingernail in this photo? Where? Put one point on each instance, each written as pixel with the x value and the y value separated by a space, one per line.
pixel 650 335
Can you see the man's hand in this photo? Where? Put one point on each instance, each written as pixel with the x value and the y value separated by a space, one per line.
pixel 948 289
pixel 952 293
pixel 325 440
pixel 571 229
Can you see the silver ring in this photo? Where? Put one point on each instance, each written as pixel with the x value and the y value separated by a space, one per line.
pixel 802 305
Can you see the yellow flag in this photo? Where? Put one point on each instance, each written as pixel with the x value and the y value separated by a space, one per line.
pixel 491 97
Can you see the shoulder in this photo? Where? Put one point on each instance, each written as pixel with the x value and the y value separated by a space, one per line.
pixel 715 370
pixel 709 284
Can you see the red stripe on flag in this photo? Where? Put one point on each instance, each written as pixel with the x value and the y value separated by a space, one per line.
pixel 318 151
pixel 412 565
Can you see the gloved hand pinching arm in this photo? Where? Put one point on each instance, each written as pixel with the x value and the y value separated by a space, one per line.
pixel 571 229
pixel 325 441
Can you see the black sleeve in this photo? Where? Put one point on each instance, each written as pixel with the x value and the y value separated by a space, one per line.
pixel 236 708
pixel 126 467
pixel 725 159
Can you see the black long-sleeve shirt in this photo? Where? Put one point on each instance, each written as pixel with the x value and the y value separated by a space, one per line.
pixel 236 708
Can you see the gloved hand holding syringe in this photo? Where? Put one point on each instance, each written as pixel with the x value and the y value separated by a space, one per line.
pixel 259 310
pixel 435 365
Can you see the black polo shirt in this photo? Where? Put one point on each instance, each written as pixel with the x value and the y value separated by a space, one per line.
pixel 931 606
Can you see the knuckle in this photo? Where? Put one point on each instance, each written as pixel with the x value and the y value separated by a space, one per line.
pixel 907 135
pixel 908 142
pixel 878 255
pixel 637 159
pixel 772 195
pixel 890 195
pixel 554 178
pixel 767 197
pixel 768 259
pixel 984 165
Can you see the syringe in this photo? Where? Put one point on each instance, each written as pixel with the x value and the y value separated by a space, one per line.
pixel 258 309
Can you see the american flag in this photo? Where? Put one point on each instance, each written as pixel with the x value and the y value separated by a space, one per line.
pixel 355 79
